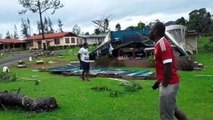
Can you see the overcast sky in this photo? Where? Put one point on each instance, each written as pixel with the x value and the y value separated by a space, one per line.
pixel 82 12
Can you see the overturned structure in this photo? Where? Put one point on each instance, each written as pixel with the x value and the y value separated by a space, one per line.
pixel 132 46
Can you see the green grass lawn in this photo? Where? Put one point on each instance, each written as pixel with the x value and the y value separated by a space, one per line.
pixel 77 101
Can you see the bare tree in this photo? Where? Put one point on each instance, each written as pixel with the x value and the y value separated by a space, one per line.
pixel 40 6
pixel 76 29
pixel 46 25
pixel 50 26
pixel 26 29
pixel 60 24
pixel 15 35
pixel 8 35
pixel 103 23
pixel 39 27
pixel 29 26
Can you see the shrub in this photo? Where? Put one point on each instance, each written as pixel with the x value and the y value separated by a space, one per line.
pixel 108 60
pixel 117 63
pixel 7 77
pixel 186 64
pixel 103 61
pixel 52 48
pixel 151 61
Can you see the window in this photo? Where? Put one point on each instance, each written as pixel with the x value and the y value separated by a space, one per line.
pixel 72 40
pixel 67 40
pixel 57 41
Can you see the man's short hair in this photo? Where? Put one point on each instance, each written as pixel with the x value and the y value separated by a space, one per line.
pixel 85 44
pixel 160 28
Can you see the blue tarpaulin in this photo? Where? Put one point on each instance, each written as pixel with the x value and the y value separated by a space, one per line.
pixel 75 70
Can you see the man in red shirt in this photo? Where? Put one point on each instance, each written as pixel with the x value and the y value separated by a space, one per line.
pixel 167 78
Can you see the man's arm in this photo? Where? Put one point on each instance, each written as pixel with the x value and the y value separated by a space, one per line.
pixel 79 56
pixel 167 74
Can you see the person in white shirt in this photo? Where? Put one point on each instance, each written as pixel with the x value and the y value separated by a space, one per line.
pixel 83 56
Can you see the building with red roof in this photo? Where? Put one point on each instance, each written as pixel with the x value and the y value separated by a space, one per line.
pixel 53 39
pixel 12 44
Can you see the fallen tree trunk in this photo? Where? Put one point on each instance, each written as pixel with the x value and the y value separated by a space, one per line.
pixel 16 99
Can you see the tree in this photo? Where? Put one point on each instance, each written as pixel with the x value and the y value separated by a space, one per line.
pixel 40 6
pixel 15 35
pixel 97 31
pixel 29 27
pixel 151 24
pixel 211 28
pixel 181 21
pixel 117 27
pixel 8 35
pixel 200 20
pixel 76 29
pixel 60 25
pixel 46 25
pixel 141 25
pixel 106 24
pixel 39 27
pixel 131 28
pixel 25 27
pixel 102 23
pixel 50 26
pixel 87 33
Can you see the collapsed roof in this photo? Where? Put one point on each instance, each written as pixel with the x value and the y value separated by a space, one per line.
pixel 132 39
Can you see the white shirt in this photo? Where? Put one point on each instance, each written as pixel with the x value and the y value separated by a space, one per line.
pixel 84 54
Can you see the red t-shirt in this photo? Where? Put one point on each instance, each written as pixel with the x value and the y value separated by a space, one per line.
pixel 164 54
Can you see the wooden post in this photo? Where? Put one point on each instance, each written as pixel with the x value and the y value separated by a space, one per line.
pixel 133 53
pixel 3 46
pixel 118 50
pixel 13 46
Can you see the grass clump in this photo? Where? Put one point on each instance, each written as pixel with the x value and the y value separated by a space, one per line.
pixel 132 87
pixel 7 77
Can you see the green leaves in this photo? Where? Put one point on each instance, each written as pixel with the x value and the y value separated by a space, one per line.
pixel 200 20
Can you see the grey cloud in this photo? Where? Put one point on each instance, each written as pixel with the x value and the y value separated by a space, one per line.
pixel 82 12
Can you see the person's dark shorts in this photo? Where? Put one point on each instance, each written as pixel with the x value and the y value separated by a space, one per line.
pixel 81 65
pixel 85 65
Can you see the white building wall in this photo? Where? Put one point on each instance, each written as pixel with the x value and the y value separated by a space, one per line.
pixel 77 41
